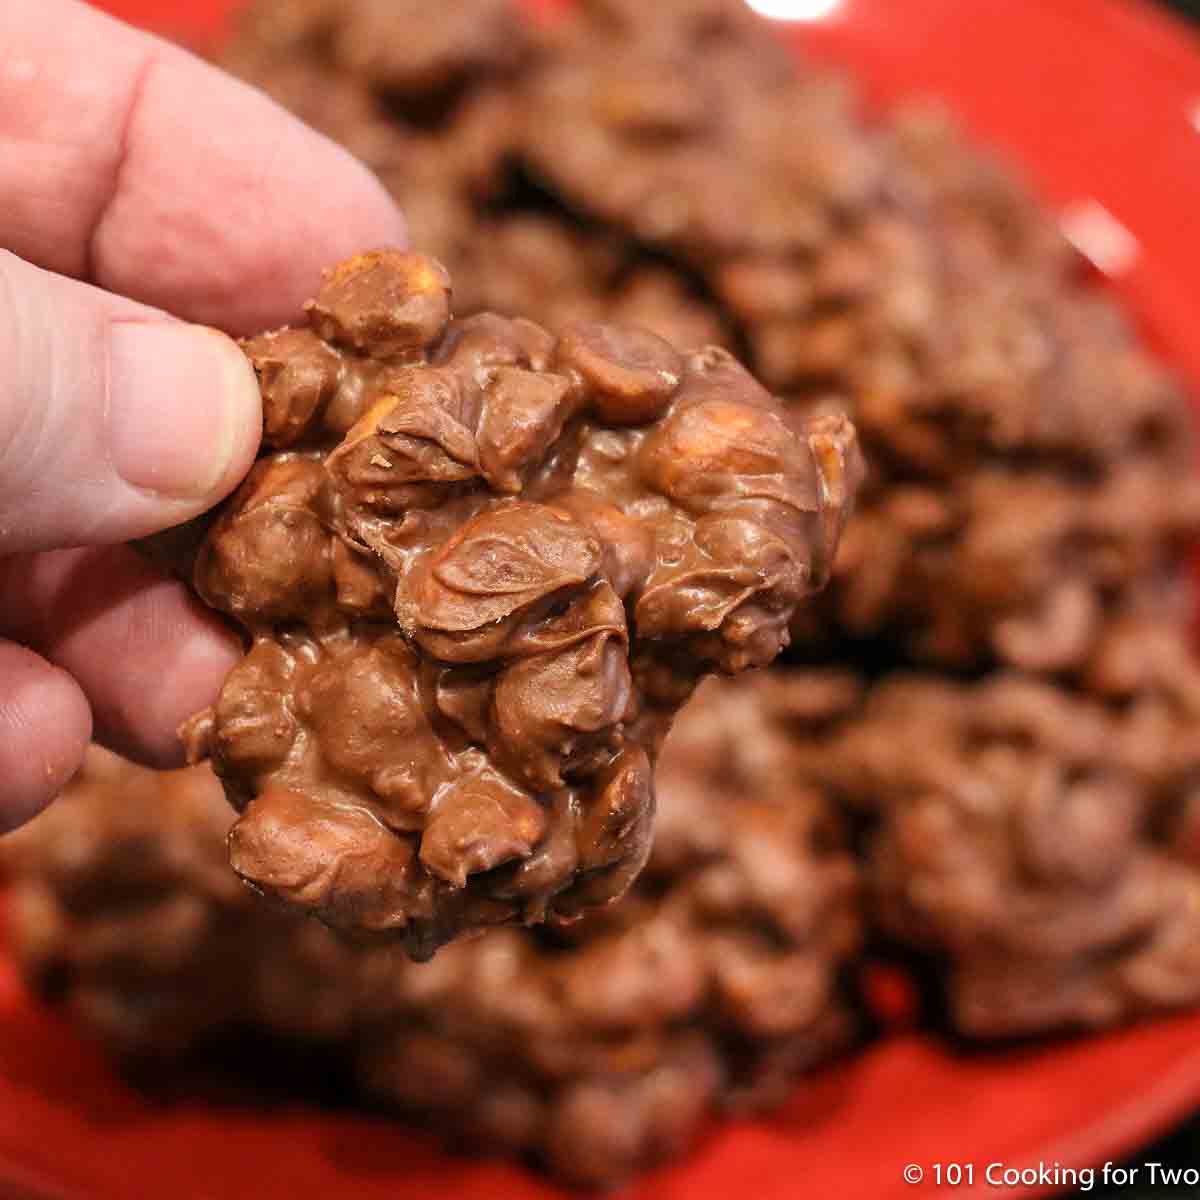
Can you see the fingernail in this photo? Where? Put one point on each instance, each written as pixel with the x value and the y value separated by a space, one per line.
pixel 182 402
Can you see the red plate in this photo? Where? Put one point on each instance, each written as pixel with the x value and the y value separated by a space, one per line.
pixel 1100 100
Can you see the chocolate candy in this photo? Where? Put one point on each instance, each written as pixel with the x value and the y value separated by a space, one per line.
pixel 479 569
pixel 1039 842
pixel 124 910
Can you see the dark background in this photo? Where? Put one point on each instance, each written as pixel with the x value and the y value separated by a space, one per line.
pixel 1182 1147
pixel 1188 8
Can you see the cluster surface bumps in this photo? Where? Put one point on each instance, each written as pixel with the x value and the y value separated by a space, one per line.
pixel 480 568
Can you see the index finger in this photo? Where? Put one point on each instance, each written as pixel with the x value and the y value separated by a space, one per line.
pixel 126 161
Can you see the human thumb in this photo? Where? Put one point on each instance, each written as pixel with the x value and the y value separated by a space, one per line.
pixel 116 421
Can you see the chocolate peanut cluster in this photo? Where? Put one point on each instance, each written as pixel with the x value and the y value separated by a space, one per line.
pixel 1039 846
pixel 1016 514
pixel 599 1048
pixel 480 568
pixel 426 99
pixel 524 263
pixel 705 165
pixel 121 907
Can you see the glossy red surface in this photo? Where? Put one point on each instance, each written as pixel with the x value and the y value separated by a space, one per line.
pixel 1100 101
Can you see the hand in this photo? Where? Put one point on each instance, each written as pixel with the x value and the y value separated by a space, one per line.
pixel 135 182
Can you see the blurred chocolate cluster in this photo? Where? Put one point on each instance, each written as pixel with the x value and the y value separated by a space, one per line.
pixel 983 752
pixel 1035 838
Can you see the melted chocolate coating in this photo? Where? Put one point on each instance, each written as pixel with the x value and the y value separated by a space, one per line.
pixel 480 568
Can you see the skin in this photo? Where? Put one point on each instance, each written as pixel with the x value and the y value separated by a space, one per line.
pixel 135 182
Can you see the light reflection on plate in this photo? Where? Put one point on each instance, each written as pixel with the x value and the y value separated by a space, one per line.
pixel 795 10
